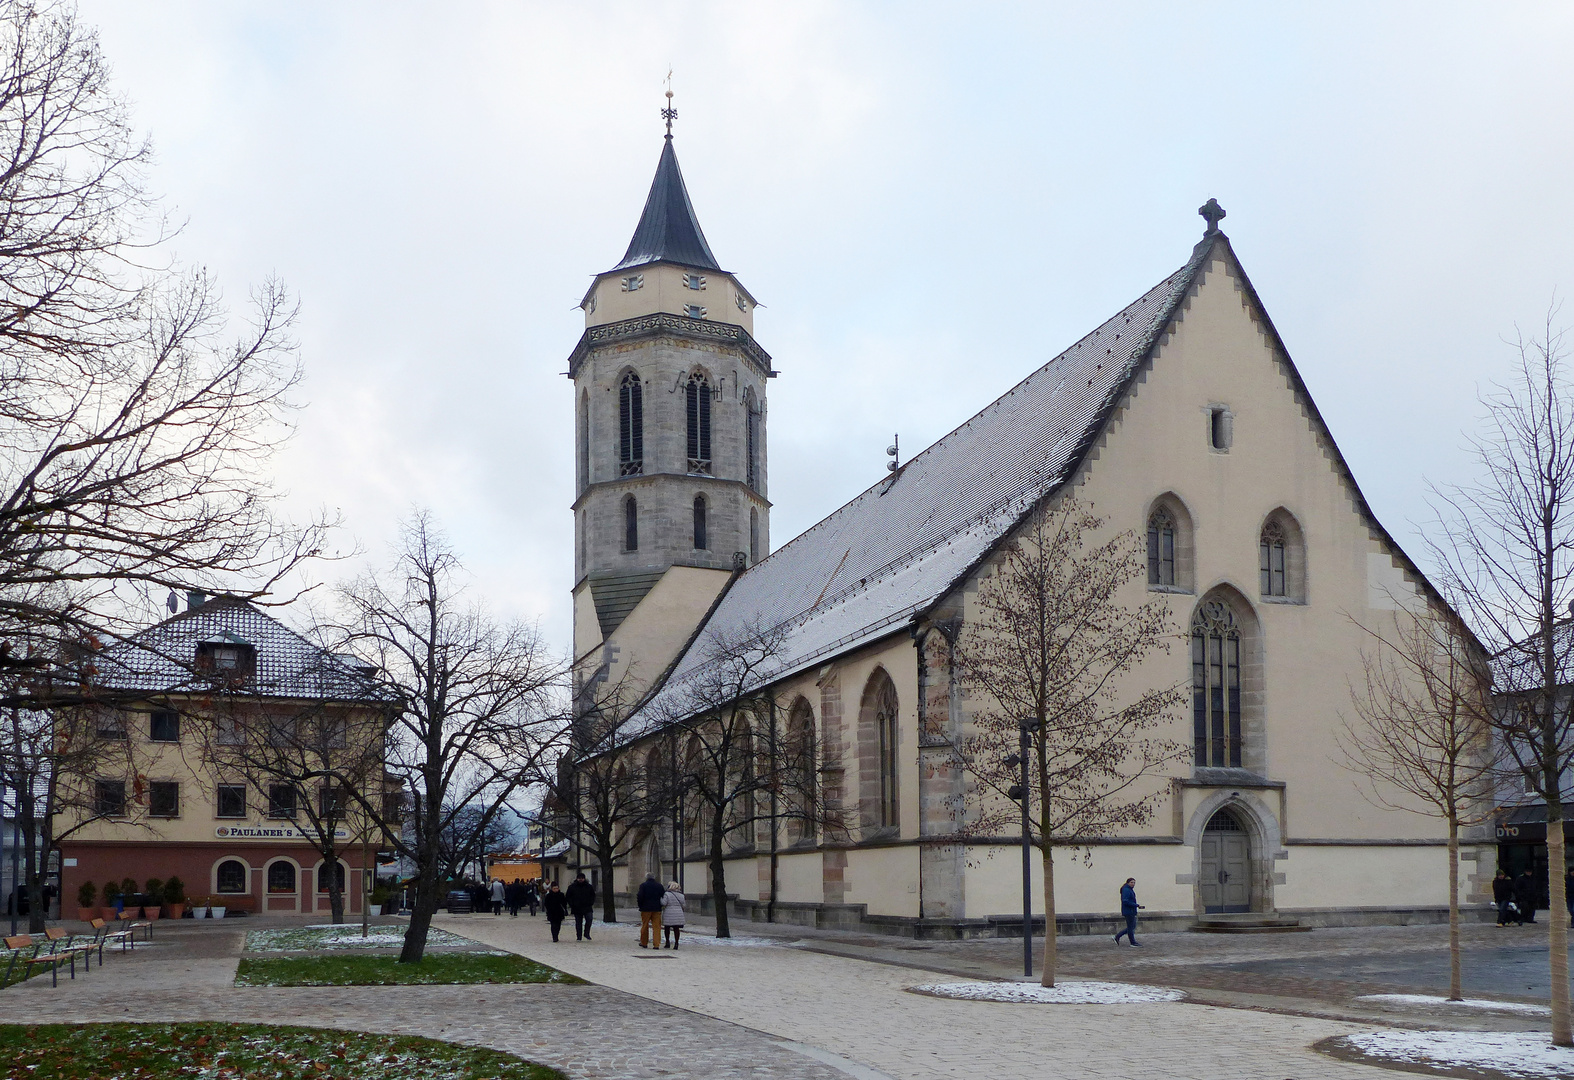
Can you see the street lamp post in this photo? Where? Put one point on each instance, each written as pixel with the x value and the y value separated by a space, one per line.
pixel 1019 792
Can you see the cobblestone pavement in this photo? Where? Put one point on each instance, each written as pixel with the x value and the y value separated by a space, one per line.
pixel 587 1031
pixel 860 1011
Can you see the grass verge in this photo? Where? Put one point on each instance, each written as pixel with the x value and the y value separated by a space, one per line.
pixel 435 968
pixel 158 1051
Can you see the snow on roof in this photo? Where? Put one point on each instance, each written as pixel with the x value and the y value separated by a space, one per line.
pixel 162 658
pixel 868 568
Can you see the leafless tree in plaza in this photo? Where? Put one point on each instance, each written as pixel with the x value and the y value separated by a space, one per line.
pixel 481 717
pixel 1507 555
pixel 1052 645
pixel 1422 732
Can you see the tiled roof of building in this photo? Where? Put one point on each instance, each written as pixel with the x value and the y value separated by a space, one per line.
pixel 162 658
pixel 668 231
pixel 899 547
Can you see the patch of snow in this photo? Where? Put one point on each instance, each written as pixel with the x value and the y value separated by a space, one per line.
pixel 1512 1053
pixel 1428 1001
pixel 1067 993
pixel 743 941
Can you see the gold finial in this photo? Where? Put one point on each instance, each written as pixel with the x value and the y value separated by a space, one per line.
pixel 669 114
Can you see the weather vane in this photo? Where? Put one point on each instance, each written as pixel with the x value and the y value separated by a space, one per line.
pixel 669 114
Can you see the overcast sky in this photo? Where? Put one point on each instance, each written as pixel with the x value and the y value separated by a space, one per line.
pixel 929 199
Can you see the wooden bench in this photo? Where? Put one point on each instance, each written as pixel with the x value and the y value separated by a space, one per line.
pixel 40 953
pixel 62 942
pixel 102 934
pixel 133 927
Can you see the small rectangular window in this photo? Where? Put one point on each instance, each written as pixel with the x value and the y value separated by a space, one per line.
pixel 110 724
pixel 164 799
pixel 633 282
pixel 694 311
pixel 332 802
pixel 393 808
pixel 695 282
pixel 164 726
pixel 232 800
pixel 1221 426
pixel 228 732
pixel 227 660
pixel 281 801
pixel 109 798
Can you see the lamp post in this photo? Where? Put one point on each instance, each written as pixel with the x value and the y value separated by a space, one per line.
pixel 1019 792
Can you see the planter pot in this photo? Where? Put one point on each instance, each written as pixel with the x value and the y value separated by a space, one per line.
pixel 151 913
pixel 131 912
pixel 108 914
pixel 175 911
pixel 87 914
pixel 374 909
pixel 199 913
pixel 217 912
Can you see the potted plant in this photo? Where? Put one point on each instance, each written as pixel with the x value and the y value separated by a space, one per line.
pixel 129 901
pixel 88 893
pixel 153 899
pixel 379 898
pixel 111 909
pixel 199 908
pixel 216 911
pixel 175 897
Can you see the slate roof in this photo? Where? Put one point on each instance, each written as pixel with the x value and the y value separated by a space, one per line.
pixel 668 231
pixel 160 659
pixel 890 553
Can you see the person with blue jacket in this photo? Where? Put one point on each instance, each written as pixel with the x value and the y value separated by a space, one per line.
pixel 1129 908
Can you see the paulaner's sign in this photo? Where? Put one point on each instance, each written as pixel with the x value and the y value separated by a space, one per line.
pixel 270 832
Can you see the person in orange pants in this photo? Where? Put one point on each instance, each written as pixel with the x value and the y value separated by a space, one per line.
pixel 649 900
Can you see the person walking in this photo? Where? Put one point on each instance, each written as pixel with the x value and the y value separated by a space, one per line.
pixel 1525 896
pixel 532 896
pixel 1568 895
pixel 648 898
pixel 1128 909
pixel 498 893
pixel 672 920
pixel 1503 896
pixel 513 896
pixel 556 905
pixel 582 902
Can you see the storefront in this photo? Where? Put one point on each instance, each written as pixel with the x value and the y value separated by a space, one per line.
pixel 1522 844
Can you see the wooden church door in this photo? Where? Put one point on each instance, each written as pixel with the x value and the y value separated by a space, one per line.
pixel 1224 871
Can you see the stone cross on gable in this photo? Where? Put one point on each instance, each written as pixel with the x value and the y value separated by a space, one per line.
pixel 1212 213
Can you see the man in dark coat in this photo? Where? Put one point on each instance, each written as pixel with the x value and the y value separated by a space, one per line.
pixel 532 895
pixel 1568 895
pixel 1525 895
pixel 556 905
pixel 582 902
pixel 649 900
pixel 1502 895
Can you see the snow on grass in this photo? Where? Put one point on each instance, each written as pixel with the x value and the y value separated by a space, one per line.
pixel 1067 993
pixel 1428 1001
pixel 344 936
pixel 1507 1053
pixel 742 941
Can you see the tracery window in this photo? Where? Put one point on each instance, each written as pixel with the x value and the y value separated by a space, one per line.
pixel 754 535
pixel 631 426
pixel 752 440
pixel 697 396
pixel 885 719
pixel 1216 685
pixel 1271 561
pixel 630 524
pixel 701 539
pixel 1161 548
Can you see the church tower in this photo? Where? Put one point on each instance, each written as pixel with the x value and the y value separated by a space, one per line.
pixel 669 399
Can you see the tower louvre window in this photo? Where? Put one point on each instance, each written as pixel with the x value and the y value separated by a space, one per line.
pixel 697 399
pixel 743 305
pixel 752 448
pixel 631 426
pixel 694 311
pixel 630 524
pixel 694 281
pixel 634 282
pixel 701 540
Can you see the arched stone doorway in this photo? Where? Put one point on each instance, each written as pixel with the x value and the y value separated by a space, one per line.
pixel 1224 868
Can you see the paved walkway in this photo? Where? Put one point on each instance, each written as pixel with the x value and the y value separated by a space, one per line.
pixel 862 1012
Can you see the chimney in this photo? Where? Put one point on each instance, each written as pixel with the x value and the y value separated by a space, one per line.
pixel 195 598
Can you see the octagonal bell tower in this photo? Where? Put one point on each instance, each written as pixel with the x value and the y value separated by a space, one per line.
pixel 670 422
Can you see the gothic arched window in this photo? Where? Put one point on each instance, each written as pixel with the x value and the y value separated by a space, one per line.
pixel 631 426
pixel 1270 552
pixel 1161 547
pixel 752 420
pixel 754 534
pixel 584 440
pixel 802 773
pixel 630 524
pixel 1216 685
pixel 885 719
pixel 701 540
pixel 697 400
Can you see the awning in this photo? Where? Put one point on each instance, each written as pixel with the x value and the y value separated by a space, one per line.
pixel 1527 824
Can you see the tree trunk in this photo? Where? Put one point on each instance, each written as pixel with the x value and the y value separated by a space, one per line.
pixel 609 904
pixel 335 894
pixel 1557 926
pixel 426 898
pixel 32 873
pixel 1049 915
pixel 718 880
pixel 1454 991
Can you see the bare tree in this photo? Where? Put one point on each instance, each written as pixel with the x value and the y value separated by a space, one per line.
pixel 1053 647
pixel 1507 557
pixel 1423 732
pixel 735 765
pixel 479 722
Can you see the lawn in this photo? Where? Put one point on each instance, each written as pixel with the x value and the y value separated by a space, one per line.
pixel 344 936
pixel 434 968
pixel 236 1051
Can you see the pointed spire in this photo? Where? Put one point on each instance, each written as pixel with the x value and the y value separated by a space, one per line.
pixel 668 231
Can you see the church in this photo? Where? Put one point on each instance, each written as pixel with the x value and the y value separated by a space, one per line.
pixel 1181 418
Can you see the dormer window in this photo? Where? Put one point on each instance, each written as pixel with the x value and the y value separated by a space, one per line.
pixel 228 660
pixel 694 281
pixel 694 311
pixel 633 282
